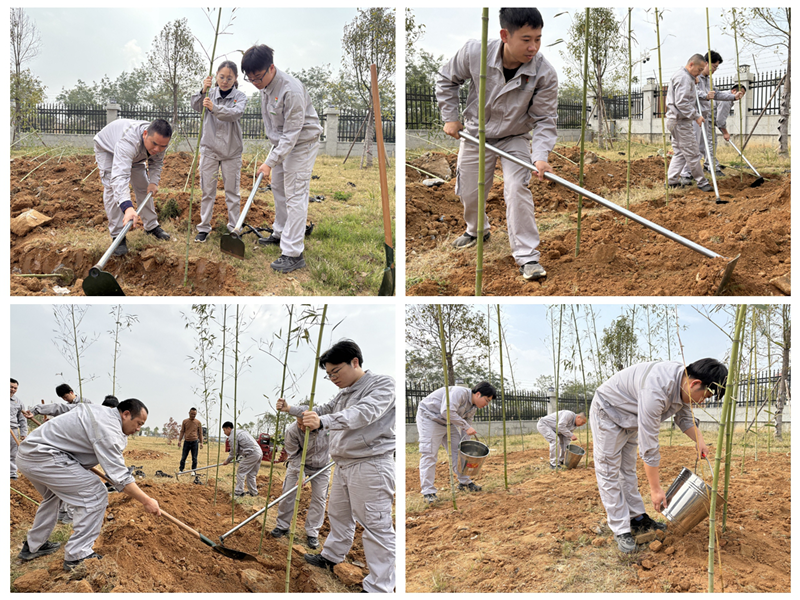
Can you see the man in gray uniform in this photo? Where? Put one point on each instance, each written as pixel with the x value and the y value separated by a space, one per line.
pixel 521 95
pixel 292 125
pixel 19 426
pixel 249 458
pixel 360 419
pixel 557 429
pixel 317 457
pixel 723 110
pixel 432 431
pixel 627 411
pixel 55 458
pixel 130 154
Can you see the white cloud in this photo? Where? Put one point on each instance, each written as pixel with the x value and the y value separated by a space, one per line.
pixel 133 54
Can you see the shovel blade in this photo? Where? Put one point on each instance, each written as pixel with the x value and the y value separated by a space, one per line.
pixel 757 182
pixel 233 245
pixel 233 554
pixel 387 285
pixel 101 283
pixel 726 276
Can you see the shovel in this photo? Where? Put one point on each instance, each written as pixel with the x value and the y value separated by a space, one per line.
pixel 387 285
pixel 711 167
pixel 100 283
pixel 231 243
pixel 200 469
pixel 760 179
pixel 624 212
pixel 228 552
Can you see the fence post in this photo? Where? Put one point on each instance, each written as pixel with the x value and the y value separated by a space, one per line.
pixel 331 131
pixel 649 107
pixel 749 98
pixel 112 112
pixel 551 402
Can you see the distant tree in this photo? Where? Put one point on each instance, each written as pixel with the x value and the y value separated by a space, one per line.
pixel 26 89
pixel 82 93
pixel 619 344
pixel 422 70
pixel 318 81
pixel 171 430
pixel 155 432
pixel 26 92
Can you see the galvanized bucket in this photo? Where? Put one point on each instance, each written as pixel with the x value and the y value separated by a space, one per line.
pixel 688 502
pixel 574 456
pixel 471 455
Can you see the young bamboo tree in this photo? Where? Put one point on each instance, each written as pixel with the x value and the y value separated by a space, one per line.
pixel 662 107
pixel 235 413
pixel 514 388
pixel 630 115
pixel 69 339
pixel 447 400
pixel 305 449
pixel 502 398
pixel 481 151
pixel 489 338
pixel 739 81
pixel 583 128
pixel 583 376
pixel 558 361
pixel 749 383
pixel 741 312
pixel 221 390
pixel 201 363
pixel 711 101
pixel 121 321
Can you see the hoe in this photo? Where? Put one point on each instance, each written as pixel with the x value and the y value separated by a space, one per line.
pixel 231 243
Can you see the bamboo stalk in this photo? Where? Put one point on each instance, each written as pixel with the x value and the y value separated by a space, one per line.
pixel 489 335
pixel 502 398
pixel 583 376
pixel 514 387
pixel 235 419
pixel 739 82
pixel 583 130
pixel 558 367
pixel 663 126
pixel 630 116
pixel 26 497
pixel 305 450
pixel 749 384
pixel 221 389
pixel 711 147
pixel 481 153
pixel 755 370
pixel 447 400
pixel 89 175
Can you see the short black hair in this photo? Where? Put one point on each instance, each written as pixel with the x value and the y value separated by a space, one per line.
pixel 716 57
pixel 738 86
pixel 133 406
pixel 512 19
pixel 161 127
pixel 698 59
pixel 342 351
pixel 712 373
pixel 257 58
pixel 227 424
pixel 193 409
pixel 111 401
pixel 63 389
pixel 14 381
pixel 484 388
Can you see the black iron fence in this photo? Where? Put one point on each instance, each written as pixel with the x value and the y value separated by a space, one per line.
pixel 762 89
pixel 353 127
pixel 68 118
pixel 617 106
pixel 569 114
pixel 755 391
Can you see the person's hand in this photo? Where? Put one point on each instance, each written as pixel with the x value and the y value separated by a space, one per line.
pixel 700 120
pixel 266 170
pixel 227 460
pixel 704 450
pixel 727 136
pixel 574 437
pixel 179 443
pixel 27 414
pixel 282 405
pixel 300 425
pixel 452 128
pixel 311 420
pixel 151 506
pixel 659 499
pixel 208 104
pixel 130 215
pixel 711 94
pixel 543 167
pixel 207 83
pixel 739 95
pixel 471 431
pixel 200 446
pixel 152 188
pixel 22 437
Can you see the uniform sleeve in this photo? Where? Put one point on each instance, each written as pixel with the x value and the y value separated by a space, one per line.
pixel 294 110
pixel 652 404
pixel 457 400
pixel 683 418
pixel 232 453
pixel 53 410
pixel 124 152
pixel 197 101
pixel 291 443
pixel 544 112
pixel 109 454
pixel 723 110
pixel 231 113
pixel 366 410
pixel 22 421
pixel 155 164
pixel 685 100
pixel 452 76
pixel 566 424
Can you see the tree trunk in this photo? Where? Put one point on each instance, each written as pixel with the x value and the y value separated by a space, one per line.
pixel 366 154
pixel 451 372
pixel 783 128
pixel 782 385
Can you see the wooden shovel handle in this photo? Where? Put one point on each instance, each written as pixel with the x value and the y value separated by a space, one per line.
pixel 376 109
pixel 11 429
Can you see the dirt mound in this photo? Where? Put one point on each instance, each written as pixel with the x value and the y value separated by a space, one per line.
pixel 616 258
pixel 22 510
pixel 542 535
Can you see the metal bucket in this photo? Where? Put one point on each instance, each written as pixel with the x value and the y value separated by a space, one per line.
pixel 471 455
pixel 688 502
pixel 573 456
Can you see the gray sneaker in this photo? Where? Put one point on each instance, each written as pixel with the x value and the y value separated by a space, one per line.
pixel 44 550
pixel 287 264
pixel 685 181
pixel 532 271
pixel 468 241
pixel 430 498
pixel 705 188
pixel 272 240
pixel 158 233
pixel 201 237
pixel 626 543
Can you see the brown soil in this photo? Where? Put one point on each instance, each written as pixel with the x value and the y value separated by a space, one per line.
pixel 58 191
pixel 615 258
pixel 542 535
pixel 131 455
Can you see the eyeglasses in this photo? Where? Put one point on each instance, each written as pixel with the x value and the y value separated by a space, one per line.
pixel 256 79
pixel 333 374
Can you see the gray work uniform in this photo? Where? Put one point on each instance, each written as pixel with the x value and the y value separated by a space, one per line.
pixel 317 457
pixel 220 150
pixel 122 158
pixel 558 444
pixel 19 425
pixel 432 430
pixel 249 455
pixel 703 87
pixel 528 101
pixel 292 125
pixel 681 113
pixel 57 409
pixel 723 110
pixel 627 412
pixel 360 420
pixel 55 458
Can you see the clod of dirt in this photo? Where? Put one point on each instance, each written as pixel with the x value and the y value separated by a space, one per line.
pixel 348 574
pixel 258 583
pixel 28 221
pixel 656 546
pixel 31 582
pixel 784 284
pixel 646 564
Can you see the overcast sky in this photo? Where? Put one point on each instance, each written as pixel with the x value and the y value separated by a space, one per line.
pixel 153 365
pixel 87 43
pixel 683 33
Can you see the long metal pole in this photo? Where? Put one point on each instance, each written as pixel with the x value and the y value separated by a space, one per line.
pixel 243 216
pixel 118 240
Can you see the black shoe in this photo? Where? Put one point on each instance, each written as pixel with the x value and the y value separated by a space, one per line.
pixel 44 550
pixel 320 561
pixel 313 542
pixel 122 249
pixel 556 467
pixel 201 237
pixel 626 543
pixel 253 494
pixel 468 241
pixel 430 498
pixel 278 532
pixel 470 487
pixel 287 264
pixel 69 565
pixel 646 524
pixel 705 188
pixel 272 240
pixel 159 233
pixel 238 494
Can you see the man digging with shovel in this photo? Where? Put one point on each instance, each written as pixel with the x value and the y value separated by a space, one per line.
pixel 56 457
pixel 626 413
pixel 567 421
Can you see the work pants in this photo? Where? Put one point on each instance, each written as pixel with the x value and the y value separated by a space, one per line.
pixel 685 152
pixel 432 435
pixel 58 478
pixel 558 444
pixel 523 235
pixel 231 174
pixel 615 468
pixel 291 181
pixel 189 447
pixel 249 464
pixel 13 452
pixel 362 491
pixel 316 505
pixel 701 146
pixel 138 182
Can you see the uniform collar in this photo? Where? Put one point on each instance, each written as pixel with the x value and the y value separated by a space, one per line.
pixel 495 59
pixel 358 384
pixel 273 85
